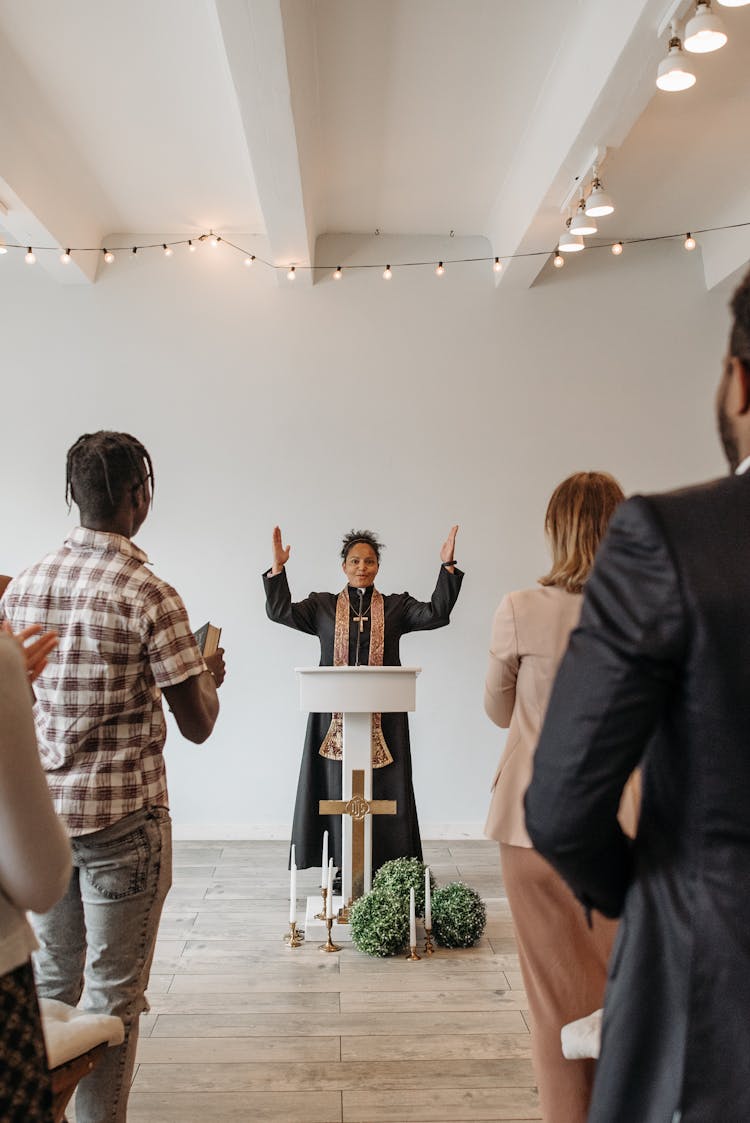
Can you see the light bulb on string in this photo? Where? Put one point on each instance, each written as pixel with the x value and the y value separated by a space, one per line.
pixel 249 260
pixel 191 245
pixel 387 273
pixel 558 260
pixel 617 249
pixel 30 257
pixel 134 251
pixel 690 242
pixel 292 273
pixel 65 257
pixel 498 265
pixel 440 269
pixel 337 273
pixel 109 257
pixel 168 251
pixel 214 240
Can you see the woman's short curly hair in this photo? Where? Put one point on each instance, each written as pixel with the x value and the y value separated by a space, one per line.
pixel 355 536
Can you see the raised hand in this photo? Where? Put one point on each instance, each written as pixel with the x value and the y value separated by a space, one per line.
pixel 280 553
pixel 447 553
pixel 35 654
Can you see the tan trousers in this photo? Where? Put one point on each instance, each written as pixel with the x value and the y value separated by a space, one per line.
pixel 564 966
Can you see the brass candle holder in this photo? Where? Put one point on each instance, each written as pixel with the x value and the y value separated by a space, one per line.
pixel 412 956
pixel 295 937
pixel 324 894
pixel 329 945
pixel 429 947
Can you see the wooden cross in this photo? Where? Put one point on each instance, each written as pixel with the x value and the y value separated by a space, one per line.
pixel 361 620
pixel 358 808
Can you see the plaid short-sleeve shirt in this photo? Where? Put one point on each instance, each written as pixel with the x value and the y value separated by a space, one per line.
pixel 124 636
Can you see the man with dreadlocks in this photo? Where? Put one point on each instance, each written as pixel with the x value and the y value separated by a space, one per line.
pixel 124 639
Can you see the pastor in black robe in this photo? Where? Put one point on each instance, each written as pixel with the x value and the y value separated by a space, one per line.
pixel 392 836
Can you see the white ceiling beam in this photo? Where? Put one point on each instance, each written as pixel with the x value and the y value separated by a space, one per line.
pixel 50 195
pixel 253 38
pixel 597 87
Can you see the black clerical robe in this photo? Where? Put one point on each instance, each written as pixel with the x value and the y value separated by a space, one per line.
pixel 392 836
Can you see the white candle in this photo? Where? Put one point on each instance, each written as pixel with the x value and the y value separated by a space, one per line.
pixel 412 920
pixel 324 864
pixel 427 899
pixel 329 898
pixel 293 888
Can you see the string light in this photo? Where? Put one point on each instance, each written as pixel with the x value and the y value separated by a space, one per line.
pixel 30 258
pixel 617 249
pixel 497 267
pixel 191 245
pixel 134 250
pixel 292 273
pixel 168 251
pixel 387 273
pixel 249 260
pixel 65 257
pixel 440 269
pixel 558 260
pixel 109 257
pixel 337 273
pixel 213 240
pixel 690 242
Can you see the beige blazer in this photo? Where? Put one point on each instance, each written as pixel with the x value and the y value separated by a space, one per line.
pixel 530 634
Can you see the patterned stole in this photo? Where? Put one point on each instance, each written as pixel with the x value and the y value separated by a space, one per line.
pixel 333 744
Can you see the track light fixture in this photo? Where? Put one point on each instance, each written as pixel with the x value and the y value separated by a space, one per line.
pixel 598 203
pixel 570 243
pixel 734 3
pixel 675 72
pixel 705 31
pixel 582 223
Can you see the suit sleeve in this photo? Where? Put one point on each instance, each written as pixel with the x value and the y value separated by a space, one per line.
pixel 611 692
pixel 422 616
pixel 300 615
pixel 502 669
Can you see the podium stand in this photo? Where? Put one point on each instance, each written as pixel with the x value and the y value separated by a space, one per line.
pixel 357 693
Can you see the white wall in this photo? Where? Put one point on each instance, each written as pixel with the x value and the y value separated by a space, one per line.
pixel 404 407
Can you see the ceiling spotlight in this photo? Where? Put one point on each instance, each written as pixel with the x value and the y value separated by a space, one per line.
pixel 675 72
pixel 168 251
pixel 705 31
pixel 570 243
pixel 337 273
pixel 292 273
pixel 582 223
pixel 734 3
pixel 30 258
pixel 690 242
pixel 617 249
pixel 109 257
pixel 440 269
pixel 387 273
pixel 497 267
pixel 558 260
pixel 65 257
pixel 598 203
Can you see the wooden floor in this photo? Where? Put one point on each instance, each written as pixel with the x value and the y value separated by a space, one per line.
pixel 243 1029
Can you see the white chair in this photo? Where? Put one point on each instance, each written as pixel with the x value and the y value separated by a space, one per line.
pixel 582 1038
pixel 75 1041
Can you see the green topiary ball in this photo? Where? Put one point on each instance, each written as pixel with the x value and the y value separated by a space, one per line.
pixel 379 923
pixel 401 875
pixel 458 915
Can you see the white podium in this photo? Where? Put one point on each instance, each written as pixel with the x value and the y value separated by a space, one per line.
pixel 357 693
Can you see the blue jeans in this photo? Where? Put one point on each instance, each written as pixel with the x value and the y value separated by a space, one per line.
pixel 99 940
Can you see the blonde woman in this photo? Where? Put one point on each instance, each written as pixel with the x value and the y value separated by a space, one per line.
pixel 563 959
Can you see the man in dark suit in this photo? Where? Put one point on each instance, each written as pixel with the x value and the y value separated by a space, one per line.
pixel 658 674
